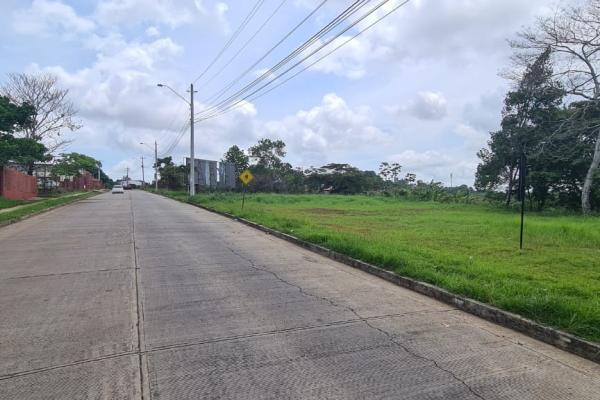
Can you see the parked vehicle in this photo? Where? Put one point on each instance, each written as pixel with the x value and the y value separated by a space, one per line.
pixel 117 189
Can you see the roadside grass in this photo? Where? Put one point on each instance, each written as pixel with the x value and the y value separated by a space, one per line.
pixel 470 250
pixel 41 205
pixel 6 203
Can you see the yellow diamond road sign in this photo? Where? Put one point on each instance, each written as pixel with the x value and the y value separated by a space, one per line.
pixel 246 177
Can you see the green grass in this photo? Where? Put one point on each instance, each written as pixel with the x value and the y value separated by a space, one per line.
pixel 41 205
pixel 470 250
pixel 6 203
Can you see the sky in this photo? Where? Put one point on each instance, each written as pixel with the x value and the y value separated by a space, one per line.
pixel 421 88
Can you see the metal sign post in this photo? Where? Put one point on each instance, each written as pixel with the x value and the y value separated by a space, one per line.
pixel 246 177
pixel 522 177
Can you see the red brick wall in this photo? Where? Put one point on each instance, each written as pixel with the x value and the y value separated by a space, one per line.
pixel 15 185
pixel 83 182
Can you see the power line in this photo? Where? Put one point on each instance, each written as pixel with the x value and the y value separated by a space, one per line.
pixel 239 30
pixel 331 51
pixel 172 123
pixel 177 139
pixel 251 95
pixel 348 12
pixel 220 93
pixel 246 43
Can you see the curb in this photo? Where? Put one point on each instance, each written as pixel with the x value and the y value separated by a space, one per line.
pixel 562 340
pixel 45 210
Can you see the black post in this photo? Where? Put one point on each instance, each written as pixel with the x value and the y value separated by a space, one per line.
pixel 243 196
pixel 522 175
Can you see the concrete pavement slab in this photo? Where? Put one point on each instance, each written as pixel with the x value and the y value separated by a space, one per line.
pixel 110 379
pixel 253 316
pixel 68 304
pixel 228 312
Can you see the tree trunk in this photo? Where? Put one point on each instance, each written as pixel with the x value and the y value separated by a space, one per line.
pixel 586 192
pixel 510 186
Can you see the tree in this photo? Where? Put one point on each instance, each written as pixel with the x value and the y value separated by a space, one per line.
pixel 20 150
pixel 237 156
pixel 390 171
pixel 54 113
pixel 171 176
pixel 268 153
pixel 410 178
pixel 342 178
pixel 14 117
pixel 530 111
pixel 71 164
pixel 572 34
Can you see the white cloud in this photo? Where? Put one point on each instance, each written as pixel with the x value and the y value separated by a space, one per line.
pixel 429 106
pixel 152 31
pixel 47 16
pixel 473 138
pixel 437 165
pixel 172 13
pixel 323 132
pixel 349 60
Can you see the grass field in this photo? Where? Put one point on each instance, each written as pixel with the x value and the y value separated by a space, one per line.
pixel 469 250
pixel 6 203
pixel 39 205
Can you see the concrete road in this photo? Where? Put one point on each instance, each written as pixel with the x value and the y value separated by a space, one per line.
pixel 137 296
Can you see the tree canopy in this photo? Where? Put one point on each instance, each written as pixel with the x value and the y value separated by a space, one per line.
pixel 237 156
pixel 15 117
pixel 20 150
pixel 71 164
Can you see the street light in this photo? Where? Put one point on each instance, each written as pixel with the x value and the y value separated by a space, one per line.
pixel 155 163
pixel 191 104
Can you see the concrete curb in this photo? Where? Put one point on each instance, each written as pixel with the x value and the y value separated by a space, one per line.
pixel 555 337
pixel 45 210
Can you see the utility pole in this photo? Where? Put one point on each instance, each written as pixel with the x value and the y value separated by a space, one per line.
pixel 451 180
pixel 192 174
pixel 143 176
pixel 192 162
pixel 127 178
pixel 155 167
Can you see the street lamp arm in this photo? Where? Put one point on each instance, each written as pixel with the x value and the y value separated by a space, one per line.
pixel 162 85
pixel 147 145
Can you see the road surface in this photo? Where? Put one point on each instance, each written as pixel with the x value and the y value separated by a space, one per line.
pixel 137 296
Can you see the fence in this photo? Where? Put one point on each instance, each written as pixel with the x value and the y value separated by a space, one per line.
pixel 83 182
pixel 15 185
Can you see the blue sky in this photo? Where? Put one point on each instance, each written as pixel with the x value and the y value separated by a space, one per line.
pixel 421 88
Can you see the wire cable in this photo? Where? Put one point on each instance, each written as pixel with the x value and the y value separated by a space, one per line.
pixel 315 51
pixel 176 141
pixel 251 97
pixel 263 25
pixel 353 8
pixel 220 93
pixel 233 37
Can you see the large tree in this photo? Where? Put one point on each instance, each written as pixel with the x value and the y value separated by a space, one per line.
pixel 54 113
pixel 531 112
pixel 268 153
pixel 22 151
pixel 342 178
pixel 237 156
pixel 171 176
pixel 71 164
pixel 15 117
pixel 572 34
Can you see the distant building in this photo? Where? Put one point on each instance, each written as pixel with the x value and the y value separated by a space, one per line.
pixel 214 174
